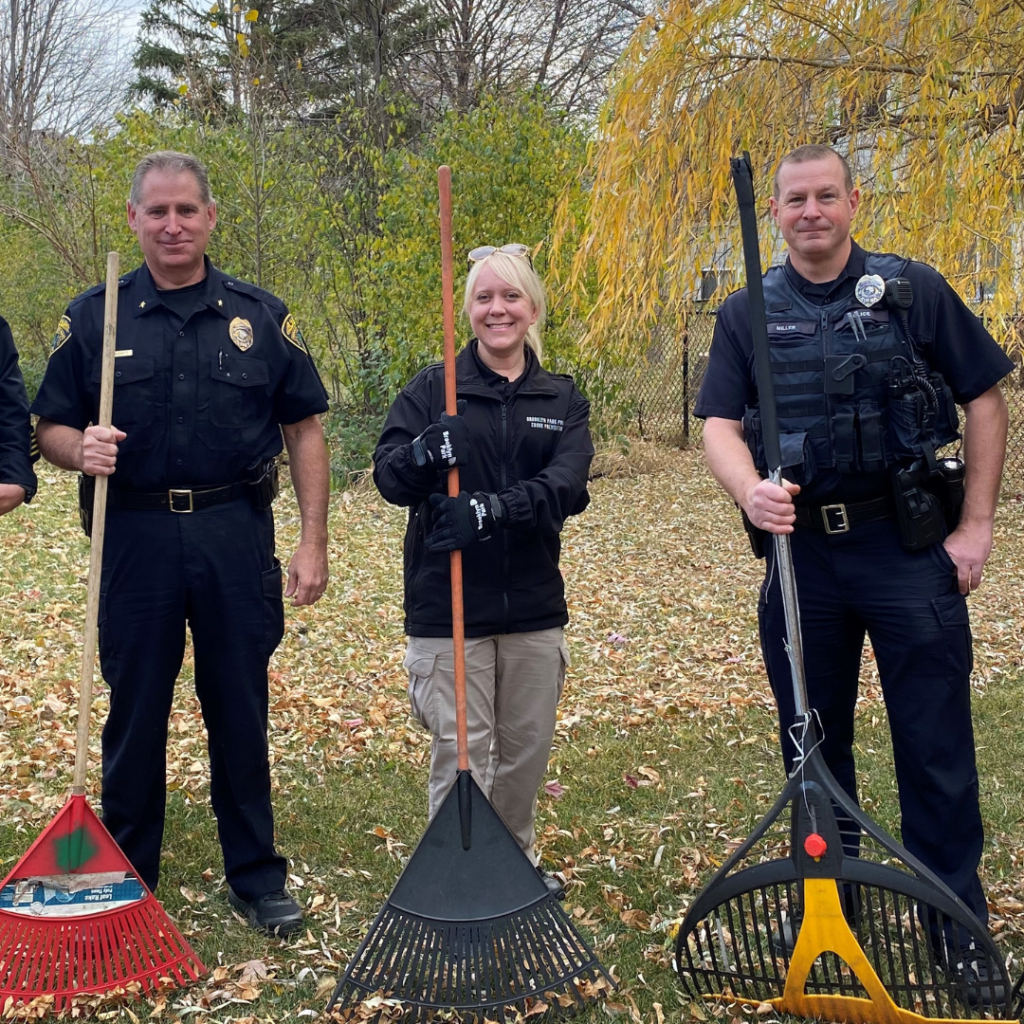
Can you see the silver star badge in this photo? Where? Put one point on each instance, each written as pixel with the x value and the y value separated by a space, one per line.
pixel 870 289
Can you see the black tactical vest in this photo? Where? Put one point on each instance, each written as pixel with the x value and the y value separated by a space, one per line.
pixel 830 366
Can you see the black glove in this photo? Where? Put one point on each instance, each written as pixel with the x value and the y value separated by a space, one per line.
pixel 459 521
pixel 443 444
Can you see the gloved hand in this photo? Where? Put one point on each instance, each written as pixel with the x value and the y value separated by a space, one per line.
pixel 459 521
pixel 445 443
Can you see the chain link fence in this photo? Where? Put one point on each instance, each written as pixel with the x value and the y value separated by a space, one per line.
pixel 655 397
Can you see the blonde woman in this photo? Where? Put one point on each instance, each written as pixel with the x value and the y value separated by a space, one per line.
pixel 522 443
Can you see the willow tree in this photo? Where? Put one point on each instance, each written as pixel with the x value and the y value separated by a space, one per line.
pixel 924 96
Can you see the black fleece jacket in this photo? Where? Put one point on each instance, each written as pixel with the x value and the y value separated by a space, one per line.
pixel 532 447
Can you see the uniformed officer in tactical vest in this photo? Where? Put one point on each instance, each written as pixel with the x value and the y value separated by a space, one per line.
pixel 870 355
pixel 17 448
pixel 209 373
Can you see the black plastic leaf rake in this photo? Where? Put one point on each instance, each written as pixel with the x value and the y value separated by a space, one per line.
pixel 820 913
pixel 470 925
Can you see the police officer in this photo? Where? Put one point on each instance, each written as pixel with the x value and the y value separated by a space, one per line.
pixel 209 373
pixel 839 347
pixel 17 480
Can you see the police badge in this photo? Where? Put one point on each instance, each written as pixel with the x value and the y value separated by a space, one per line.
pixel 241 333
pixel 870 289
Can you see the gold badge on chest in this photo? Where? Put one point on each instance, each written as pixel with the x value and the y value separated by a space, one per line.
pixel 241 333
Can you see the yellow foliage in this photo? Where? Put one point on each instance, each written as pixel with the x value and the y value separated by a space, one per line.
pixel 252 15
pixel 923 97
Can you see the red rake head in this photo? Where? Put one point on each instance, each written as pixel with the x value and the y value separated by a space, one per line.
pixel 76 921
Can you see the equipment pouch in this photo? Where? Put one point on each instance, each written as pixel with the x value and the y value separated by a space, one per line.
pixel 755 441
pixel 907 425
pixel 797 457
pixel 947 420
pixel 918 511
pixel 265 486
pixel 86 492
pixel 758 538
pixel 798 463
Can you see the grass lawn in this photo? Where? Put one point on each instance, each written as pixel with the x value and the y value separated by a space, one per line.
pixel 665 751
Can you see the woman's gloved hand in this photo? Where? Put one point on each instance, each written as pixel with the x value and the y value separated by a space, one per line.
pixel 457 522
pixel 443 444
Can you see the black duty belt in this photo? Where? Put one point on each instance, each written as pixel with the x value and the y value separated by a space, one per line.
pixel 842 517
pixel 177 499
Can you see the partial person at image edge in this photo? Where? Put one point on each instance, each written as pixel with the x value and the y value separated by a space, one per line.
pixel 17 448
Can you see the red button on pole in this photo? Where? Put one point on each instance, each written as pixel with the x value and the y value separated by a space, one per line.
pixel 815 846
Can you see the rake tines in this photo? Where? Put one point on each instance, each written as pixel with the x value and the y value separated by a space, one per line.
pixel 483 967
pixel 84 956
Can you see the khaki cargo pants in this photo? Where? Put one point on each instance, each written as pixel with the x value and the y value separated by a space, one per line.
pixel 513 684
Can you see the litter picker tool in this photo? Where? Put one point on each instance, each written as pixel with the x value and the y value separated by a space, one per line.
pixel 470 924
pixel 821 913
pixel 75 918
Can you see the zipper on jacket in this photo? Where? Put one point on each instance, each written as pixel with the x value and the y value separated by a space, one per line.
pixel 826 350
pixel 504 533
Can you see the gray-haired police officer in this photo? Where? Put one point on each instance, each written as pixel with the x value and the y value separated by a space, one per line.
pixel 209 372
pixel 841 356
pixel 17 480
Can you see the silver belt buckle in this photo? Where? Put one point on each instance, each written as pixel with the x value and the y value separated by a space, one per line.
pixel 173 493
pixel 843 525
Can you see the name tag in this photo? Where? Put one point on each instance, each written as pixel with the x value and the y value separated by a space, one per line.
pixel 122 352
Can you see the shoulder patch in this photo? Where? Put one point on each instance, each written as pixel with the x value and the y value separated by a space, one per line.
pixel 290 329
pixel 62 333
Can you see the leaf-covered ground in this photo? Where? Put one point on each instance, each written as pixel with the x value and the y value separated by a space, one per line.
pixel 665 751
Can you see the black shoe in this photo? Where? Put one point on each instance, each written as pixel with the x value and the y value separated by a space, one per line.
pixel 784 941
pixel 275 913
pixel 555 887
pixel 979 988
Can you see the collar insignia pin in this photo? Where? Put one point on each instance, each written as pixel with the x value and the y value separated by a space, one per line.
pixel 142 305
pixel 241 333
pixel 870 289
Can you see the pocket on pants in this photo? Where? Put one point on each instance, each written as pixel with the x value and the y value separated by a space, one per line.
pixel 273 607
pixel 420 666
pixel 951 610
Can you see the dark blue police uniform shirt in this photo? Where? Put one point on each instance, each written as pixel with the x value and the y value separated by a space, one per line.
pixel 15 428
pixel 949 336
pixel 201 396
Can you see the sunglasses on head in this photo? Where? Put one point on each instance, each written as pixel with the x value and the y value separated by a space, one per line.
pixel 518 249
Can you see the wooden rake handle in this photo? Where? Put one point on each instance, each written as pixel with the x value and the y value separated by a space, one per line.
pixel 99 518
pixel 444 187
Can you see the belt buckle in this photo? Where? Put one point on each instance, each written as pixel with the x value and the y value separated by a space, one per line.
pixel 179 493
pixel 843 525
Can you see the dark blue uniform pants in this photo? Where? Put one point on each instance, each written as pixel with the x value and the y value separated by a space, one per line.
pixel 214 570
pixel 917 621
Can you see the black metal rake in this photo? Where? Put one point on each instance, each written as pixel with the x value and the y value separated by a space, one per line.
pixel 470 925
pixel 825 914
